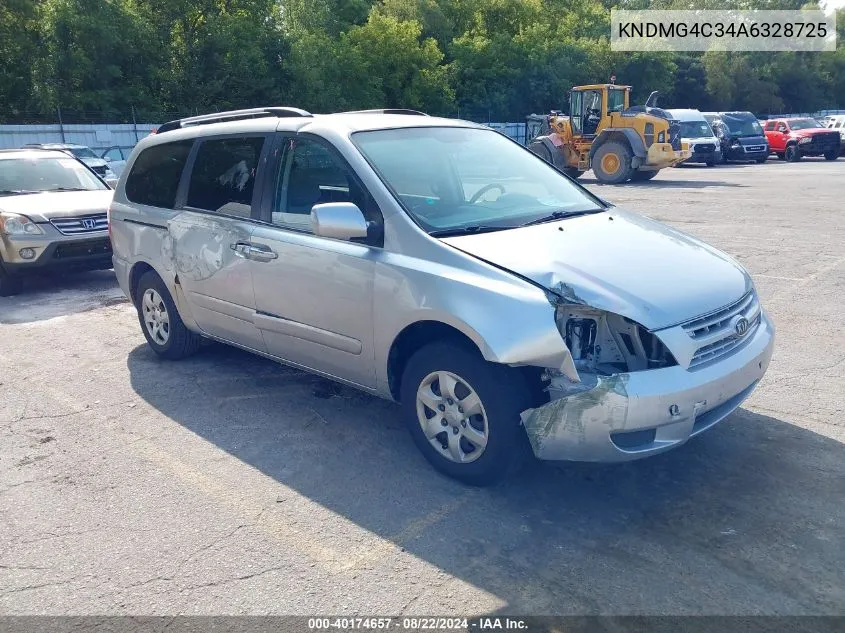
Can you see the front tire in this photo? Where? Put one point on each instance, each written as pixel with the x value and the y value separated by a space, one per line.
pixel 831 155
pixel 160 321
pixel 612 163
pixel 9 284
pixel 463 412
pixel 760 161
pixel 792 154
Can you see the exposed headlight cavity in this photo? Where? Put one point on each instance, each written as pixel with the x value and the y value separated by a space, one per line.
pixel 605 343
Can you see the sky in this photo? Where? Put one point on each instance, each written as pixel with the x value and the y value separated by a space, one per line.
pixel 830 5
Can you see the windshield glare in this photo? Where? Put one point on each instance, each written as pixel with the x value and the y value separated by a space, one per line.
pixel 804 124
pixel 82 152
pixel 695 129
pixel 742 125
pixel 46 174
pixel 451 178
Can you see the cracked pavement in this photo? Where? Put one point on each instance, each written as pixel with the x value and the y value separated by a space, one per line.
pixel 226 484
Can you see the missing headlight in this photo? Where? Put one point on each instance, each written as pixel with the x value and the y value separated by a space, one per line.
pixel 580 337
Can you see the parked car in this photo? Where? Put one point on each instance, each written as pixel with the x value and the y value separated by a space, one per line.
pixel 696 131
pixel 116 157
pixel 493 304
pixel 86 155
pixel 740 136
pixel 52 216
pixel 837 122
pixel 792 139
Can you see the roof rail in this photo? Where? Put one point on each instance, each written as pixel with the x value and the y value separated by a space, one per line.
pixel 233 115
pixel 388 111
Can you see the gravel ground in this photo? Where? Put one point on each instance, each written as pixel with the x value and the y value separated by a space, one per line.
pixel 226 484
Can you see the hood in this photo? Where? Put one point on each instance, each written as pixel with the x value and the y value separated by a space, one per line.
pixel 813 131
pixel 42 207
pixel 617 261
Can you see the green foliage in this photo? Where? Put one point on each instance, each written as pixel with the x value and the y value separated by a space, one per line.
pixel 496 59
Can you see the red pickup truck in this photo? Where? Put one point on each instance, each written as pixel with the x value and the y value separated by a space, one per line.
pixel 791 139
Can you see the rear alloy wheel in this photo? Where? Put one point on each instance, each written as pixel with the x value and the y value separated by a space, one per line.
pixel 792 154
pixel 831 155
pixel 640 176
pixel 612 163
pixel 160 321
pixel 463 412
pixel 9 284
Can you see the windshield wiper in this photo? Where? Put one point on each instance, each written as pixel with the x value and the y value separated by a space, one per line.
pixel 559 215
pixel 68 189
pixel 16 192
pixel 467 230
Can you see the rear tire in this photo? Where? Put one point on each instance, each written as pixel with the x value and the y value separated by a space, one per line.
pixel 612 163
pixel 831 155
pixel 160 321
pixel 792 154
pixel 642 176
pixel 9 284
pixel 572 172
pixel 451 447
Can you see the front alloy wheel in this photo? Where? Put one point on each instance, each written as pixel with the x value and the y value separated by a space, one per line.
pixel 452 417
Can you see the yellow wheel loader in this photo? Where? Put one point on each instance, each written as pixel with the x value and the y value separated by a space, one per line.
pixel 604 133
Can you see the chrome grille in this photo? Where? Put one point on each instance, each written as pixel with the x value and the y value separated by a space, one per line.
pixel 716 332
pixel 81 224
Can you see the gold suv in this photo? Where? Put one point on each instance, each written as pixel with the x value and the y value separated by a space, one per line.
pixel 53 216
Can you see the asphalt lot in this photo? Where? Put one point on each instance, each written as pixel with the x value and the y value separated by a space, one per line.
pixel 226 484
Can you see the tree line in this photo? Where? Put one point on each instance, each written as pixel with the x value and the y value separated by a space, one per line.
pixel 477 59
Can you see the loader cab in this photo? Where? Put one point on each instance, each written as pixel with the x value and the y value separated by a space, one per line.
pixel 590 107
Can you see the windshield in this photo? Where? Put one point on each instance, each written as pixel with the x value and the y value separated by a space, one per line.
pixel 804 124
pixel 83 152
pixel 615 100
pixel 45 174
pixel 453 178
pixel 742 125
pixel 695 129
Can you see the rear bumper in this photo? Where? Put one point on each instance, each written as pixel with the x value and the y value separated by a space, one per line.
pixel 634 415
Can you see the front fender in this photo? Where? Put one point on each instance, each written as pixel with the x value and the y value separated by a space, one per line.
pixel 510 320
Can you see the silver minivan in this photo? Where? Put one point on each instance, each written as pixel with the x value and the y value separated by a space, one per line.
pixel 439 264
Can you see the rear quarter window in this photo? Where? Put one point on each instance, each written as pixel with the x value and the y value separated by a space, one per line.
pixel 223 176
pixel 156 172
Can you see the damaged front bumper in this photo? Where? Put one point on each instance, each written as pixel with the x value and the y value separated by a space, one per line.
pixel 637 414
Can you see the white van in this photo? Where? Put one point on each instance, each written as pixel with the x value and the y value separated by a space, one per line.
pixel 837 122
pixel 695 130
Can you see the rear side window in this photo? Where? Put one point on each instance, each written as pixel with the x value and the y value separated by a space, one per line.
pixel 223 177
pixel 156 172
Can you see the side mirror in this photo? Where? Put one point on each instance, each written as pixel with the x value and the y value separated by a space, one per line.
pixel 338 220
pixel 107 159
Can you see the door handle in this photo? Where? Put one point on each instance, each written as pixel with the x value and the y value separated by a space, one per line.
pixel 258 253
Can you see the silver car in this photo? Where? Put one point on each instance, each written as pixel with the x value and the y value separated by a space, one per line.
pixel 438 264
